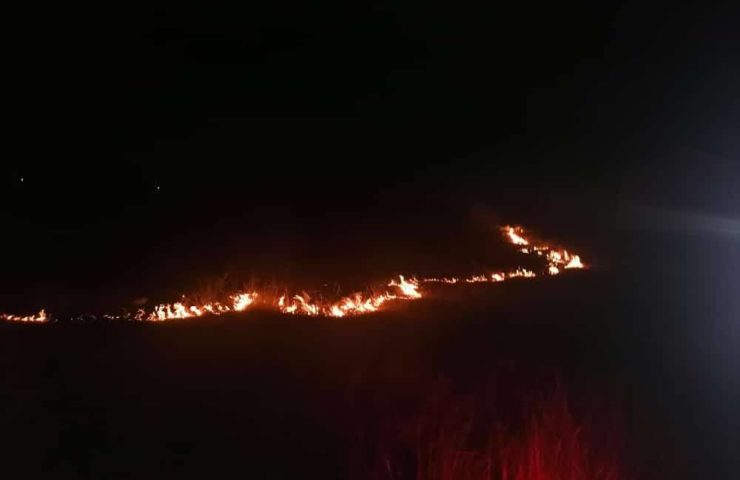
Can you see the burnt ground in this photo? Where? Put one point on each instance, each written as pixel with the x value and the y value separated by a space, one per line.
pixel 267 396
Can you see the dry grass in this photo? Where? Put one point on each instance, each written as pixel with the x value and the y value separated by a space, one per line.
pixel 453 439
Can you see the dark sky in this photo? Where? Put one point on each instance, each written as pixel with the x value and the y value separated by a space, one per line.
pixel 152 138
pixel 130 95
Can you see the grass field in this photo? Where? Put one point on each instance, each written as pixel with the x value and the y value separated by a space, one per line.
pixel 517 381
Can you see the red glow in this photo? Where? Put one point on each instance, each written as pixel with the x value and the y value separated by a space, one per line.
pixel 358 303
pixel 552 444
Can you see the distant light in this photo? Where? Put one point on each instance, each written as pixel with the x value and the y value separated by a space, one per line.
pixel 157 187
pixel 21 179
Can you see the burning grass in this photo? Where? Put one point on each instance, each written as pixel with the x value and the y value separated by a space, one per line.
pixel 358 303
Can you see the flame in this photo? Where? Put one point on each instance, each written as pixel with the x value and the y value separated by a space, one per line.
pixel 40 317
pixel 243 300
pixel 409 288
pixel 449 280
pixel 358 303
pixel 239 303
pixel 521 272
pixel 300 304
pixel 574 262
pixel 515 238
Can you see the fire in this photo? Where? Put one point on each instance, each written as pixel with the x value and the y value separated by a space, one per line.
pixel 300 304
pixel 183 310
pixel 480 278
pixel 448 280
pixel 243 300
pixel 358 303
pixel 515 238
pixel 409 288
pixel 37 318
pixel 522 272
pixel 574 262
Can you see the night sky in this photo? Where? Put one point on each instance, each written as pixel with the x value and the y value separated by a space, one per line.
pixel 156 138
pixel 135 130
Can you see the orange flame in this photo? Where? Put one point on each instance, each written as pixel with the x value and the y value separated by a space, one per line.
pixel 37 318
pixel 300 304
pixel 355 304
pixel 243 300
pixel 515 238
pixel 409 288
pixel 574 262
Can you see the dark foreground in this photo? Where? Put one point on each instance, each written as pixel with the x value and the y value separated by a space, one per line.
pixel 266 396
